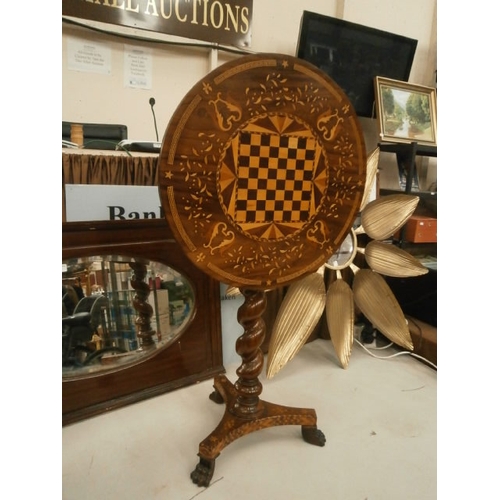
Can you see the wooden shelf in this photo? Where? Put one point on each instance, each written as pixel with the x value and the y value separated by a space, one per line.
pixel 405 148
pixel 416 295
pixel 424 195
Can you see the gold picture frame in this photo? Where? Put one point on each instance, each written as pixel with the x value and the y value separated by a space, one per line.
pixel 406 112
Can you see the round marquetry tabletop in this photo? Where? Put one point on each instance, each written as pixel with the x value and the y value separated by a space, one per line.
pixel 262 171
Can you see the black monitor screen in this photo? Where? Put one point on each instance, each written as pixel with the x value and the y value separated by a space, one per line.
pixel 353 54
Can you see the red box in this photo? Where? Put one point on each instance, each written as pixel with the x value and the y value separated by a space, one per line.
pixel 421 229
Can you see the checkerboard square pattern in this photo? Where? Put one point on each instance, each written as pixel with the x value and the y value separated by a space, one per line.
pixel 275 178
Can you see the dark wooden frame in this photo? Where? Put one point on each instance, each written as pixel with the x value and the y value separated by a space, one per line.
pixel 200 357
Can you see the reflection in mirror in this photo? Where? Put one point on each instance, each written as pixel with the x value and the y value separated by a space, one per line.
pixel 345 254
pixel 118 311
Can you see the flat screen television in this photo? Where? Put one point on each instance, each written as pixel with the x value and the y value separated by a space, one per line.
pixel 353 54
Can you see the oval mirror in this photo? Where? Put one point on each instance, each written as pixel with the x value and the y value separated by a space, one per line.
pixel 118 311
pixel 345 254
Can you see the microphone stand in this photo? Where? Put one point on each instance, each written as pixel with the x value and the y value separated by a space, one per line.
pixel 152 103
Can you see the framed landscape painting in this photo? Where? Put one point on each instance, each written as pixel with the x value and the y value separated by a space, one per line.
pixel 405 112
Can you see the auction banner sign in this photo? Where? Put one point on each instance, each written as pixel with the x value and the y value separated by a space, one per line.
pixel 226 22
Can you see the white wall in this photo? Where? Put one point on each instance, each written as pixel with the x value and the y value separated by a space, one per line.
pixel 90 97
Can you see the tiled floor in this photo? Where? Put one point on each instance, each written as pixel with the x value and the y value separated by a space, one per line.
pixel 379 418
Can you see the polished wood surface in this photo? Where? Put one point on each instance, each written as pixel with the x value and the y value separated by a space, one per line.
pixel 142 306
pixel 196 356
pixel 262 171
pixel 245 412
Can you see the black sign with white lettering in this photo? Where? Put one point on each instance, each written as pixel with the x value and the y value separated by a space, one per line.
pixel 226 22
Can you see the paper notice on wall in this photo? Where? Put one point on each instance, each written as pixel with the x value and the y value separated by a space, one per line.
pixel 90 57
pixel 137 67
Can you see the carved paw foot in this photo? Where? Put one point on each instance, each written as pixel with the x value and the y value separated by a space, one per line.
pixel 216 396
pixel 313 435
pixel 203 473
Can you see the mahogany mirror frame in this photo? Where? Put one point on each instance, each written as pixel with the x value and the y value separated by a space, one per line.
pixel 171 367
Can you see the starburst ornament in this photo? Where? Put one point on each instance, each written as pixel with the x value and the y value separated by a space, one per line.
pixel 307 299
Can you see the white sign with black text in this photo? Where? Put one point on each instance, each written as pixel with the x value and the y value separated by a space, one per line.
pixel 87 202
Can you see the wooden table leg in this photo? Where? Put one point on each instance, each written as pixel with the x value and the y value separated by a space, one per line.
pixel 245 412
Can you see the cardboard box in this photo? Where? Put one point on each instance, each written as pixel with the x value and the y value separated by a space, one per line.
pixel 420 229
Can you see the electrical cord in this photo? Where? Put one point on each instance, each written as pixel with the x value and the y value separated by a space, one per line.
pixel 378 348
pixel 390 356
pixel 103 141
pixel 222 48
pixel 368 333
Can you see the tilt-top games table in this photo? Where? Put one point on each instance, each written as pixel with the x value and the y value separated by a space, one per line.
pixel 262 172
